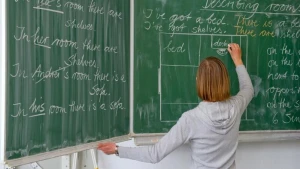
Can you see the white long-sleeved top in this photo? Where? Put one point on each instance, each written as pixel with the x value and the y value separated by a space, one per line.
pixel 211 129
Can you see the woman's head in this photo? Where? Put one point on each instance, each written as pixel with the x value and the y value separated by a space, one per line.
pixel 212 80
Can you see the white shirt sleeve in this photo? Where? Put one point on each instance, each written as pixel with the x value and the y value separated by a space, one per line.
pixel 178 135
pixel 246 92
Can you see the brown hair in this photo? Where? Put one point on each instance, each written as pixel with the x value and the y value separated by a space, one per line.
pixel 212 80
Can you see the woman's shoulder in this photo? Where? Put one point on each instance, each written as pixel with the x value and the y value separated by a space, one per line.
pixel 191 114
pixel 235 100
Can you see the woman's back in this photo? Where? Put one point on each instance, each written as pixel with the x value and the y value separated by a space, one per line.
pixel 214 137
pixel 215 126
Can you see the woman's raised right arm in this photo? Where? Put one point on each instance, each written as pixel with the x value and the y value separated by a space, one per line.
pixel 246 92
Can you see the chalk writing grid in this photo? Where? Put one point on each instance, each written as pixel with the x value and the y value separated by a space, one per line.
pixel 180 55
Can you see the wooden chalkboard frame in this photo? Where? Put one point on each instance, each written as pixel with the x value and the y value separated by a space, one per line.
pixel 3 109
pixel 2 81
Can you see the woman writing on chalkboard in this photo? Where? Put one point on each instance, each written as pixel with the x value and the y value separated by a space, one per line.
pixel 212 128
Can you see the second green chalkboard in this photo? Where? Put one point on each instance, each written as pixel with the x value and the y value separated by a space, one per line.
pixel 172 37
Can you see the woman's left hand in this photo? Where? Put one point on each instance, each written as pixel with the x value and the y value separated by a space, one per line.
pixel 107 148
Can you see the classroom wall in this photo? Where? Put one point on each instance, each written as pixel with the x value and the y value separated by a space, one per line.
pixel 51 164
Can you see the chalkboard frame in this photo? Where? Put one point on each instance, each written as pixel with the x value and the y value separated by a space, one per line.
pixel 2 81
pixel 3 110
pixel 244 136
pixel 61 152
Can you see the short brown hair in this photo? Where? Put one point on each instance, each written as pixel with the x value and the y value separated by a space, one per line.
pixel 212 80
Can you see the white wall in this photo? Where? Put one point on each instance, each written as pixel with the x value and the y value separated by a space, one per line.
pixel 51 164
pixel 269 155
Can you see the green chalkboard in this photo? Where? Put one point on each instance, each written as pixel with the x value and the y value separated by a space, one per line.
pixel 172 37
pixel 67 74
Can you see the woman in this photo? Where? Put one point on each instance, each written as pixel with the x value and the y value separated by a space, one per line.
pixel 212 128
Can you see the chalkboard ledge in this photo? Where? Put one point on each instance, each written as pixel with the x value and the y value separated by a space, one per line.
pixel 274 135
pixel 61 152
pixel 244 136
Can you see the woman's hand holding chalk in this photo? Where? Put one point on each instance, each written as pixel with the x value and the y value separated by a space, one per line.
pixel 235 53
